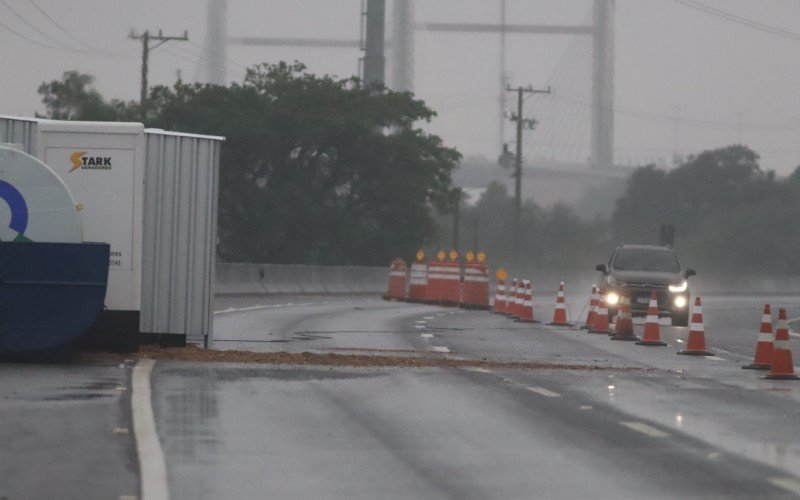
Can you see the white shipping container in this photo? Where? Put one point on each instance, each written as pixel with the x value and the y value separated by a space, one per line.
pixel 152 195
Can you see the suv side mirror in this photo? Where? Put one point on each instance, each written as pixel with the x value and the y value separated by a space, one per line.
pixel 602 268
pixel 689 272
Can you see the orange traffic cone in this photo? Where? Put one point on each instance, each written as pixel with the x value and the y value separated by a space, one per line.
pixel 763 356
pixel 500 306
pixel 652 331
pixel 590 317
pixel 519 298
pixel 510 291
pixel 601 323
pixel 560 314
pixel 623 330
pixel 696 343
pixel 397 281
pixel 526 314
pixel 782 367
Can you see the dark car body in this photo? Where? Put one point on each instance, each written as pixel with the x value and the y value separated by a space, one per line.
pixel 640 270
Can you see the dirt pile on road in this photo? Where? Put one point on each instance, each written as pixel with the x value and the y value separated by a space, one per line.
pixel 423 360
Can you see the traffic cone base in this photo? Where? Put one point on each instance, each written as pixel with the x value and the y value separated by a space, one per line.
pixel 753 366
pixel 782 377
pixel 695 353
pixel 650 342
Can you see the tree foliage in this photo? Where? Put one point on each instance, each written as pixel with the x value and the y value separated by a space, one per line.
pixel 74 98
pixel 314 169
pixel 551 238
pixel 730 215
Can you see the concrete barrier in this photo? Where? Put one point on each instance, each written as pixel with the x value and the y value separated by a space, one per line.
pixel 249 279
pixel 244 279
pixel 238 279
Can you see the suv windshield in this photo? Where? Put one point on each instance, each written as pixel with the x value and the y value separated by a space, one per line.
pixel 639 259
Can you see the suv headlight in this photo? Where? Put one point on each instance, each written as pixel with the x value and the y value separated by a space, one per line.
pixel 679 287
pixel 614 281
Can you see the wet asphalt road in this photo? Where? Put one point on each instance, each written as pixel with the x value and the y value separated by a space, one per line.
pixel 645 424
pixel 66 432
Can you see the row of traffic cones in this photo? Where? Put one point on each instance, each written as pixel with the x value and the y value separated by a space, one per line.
pixel 773 355
pixel 517 302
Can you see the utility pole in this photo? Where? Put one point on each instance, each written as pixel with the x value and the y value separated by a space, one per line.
pixel 146 37
pixel 522 122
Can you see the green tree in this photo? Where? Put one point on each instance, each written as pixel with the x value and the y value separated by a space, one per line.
pixel 316 169
pixel 73 98
pixel 730 215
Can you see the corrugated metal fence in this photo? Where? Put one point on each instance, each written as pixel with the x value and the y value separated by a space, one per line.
pixel 180 215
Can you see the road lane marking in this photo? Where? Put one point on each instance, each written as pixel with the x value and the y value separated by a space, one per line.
pixel 715 358
pixel 679 341
pixel 544 392
pixel 645 429
pixel 427 317
pixel 477 369
pixel 121 430
pixel 420 321
pixel 723 351
pixel 439 348
pixel 586 408
pixel 273 306
pixel 788 484
pixel 152 466
pixel 427 335
pixel 421 327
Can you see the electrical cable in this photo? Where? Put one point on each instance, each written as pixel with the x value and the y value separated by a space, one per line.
pixel 57 42
pixel 729 16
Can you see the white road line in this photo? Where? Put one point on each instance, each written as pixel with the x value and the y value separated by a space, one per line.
pixel 544 392
pixel 255 308
pixel 420 327
pixel 794 334
pixel 723 351
pixel 152 466
pixel 427 335
pixel 477 369
pixel 645 429
pixel 586 408
pixel 421 321
pixel 439 348
pixel 715 358
pixel 787 483
pixel 427 317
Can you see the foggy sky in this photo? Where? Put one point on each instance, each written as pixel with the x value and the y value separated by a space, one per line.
pixel 667 56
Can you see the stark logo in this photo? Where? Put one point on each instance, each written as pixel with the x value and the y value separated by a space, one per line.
pixel 80 160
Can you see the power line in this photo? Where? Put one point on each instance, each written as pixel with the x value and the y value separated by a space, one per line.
pixel 67 32
pixel 201 60
pixel 728 16
pixel 21 18
pixel 31 40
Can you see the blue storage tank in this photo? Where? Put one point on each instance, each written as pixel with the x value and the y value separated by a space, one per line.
pixel 50 293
